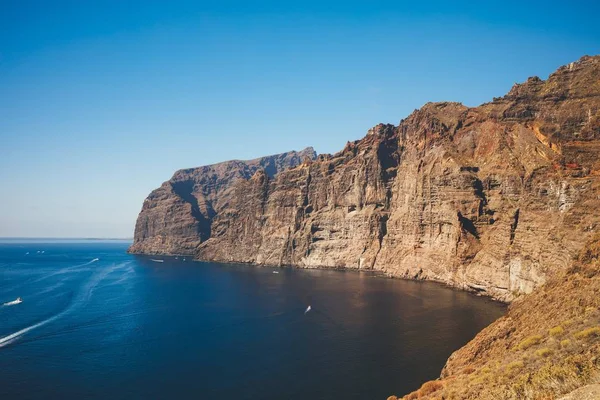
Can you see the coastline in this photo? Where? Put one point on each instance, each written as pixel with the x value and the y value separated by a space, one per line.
pixel 376 273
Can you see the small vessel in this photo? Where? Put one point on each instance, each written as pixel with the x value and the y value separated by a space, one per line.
pixel 157 260
pixel 307 310
pixel 14 302
pixel 275 272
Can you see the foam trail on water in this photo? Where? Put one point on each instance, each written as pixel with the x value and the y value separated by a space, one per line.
pixel 89 288
pixel 87 263
pixel 13 336
pixel 83 296
pixel 48 289
pixel 124 276
pixel 66 270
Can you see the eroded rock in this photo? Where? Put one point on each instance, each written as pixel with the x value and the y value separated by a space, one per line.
pixel 493 199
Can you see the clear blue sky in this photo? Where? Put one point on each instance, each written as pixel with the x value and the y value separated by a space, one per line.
pixel 101 101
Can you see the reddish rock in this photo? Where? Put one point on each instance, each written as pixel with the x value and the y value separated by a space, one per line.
pixel 486 198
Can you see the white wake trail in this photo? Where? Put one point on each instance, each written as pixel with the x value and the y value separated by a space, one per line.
pixel 13 336
pixel 83 296
pixel 66 270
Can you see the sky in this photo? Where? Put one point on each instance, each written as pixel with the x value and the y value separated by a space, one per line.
pixel 101 101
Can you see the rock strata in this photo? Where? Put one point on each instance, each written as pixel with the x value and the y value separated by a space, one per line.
pixel 494 199
pixel 177 217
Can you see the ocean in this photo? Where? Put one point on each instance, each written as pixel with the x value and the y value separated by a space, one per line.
pixel 96 322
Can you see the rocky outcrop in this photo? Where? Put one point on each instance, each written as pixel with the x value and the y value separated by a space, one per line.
pixel 546 346
pixel 177 217
pixel 331 212
pixel 494 199
pixel 588 392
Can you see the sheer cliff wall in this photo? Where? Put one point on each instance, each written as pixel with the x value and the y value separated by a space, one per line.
pixel 495 198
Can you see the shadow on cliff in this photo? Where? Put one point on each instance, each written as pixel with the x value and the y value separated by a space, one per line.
pixel 184 190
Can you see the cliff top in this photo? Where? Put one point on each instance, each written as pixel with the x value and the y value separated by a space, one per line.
pixel 272 164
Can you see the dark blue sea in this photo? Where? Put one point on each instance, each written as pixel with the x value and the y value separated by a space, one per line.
pixel 96 322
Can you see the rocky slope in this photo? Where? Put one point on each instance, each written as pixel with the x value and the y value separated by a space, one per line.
pixel 546 346
pixel 494 199
pixel 177 217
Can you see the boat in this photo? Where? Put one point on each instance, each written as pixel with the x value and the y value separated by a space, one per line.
pixel 14 302
pixel 152 259
pixel 275 272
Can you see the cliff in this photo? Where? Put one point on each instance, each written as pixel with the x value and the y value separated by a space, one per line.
pixel 546 346
pixel 177 217
pixel 495 199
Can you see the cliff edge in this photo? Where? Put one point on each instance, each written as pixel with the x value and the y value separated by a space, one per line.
pixel 495 199
pixel 546 346
pixel 177 217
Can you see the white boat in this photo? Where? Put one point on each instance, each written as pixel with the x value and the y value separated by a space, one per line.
pixel 157 260
pixel 14 302
pixel 275 272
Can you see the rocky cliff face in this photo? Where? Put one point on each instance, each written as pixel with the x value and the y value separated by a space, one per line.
pixel 177 217
pixel 546 346
pixel 494 199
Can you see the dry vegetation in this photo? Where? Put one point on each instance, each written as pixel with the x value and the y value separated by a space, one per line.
pixel 546 346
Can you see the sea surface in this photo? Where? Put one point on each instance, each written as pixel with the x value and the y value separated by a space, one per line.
pixel 96 322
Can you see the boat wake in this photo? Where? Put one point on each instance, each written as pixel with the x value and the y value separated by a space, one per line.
pixel 82 298
pixel 67 270
pixel 6 340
